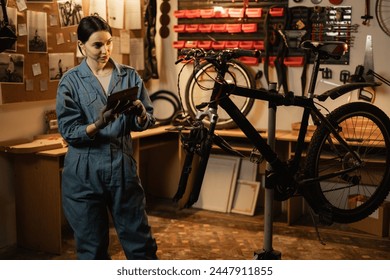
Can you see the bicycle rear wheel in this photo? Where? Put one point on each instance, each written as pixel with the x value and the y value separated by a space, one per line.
pixel 203 78
pixel 352 195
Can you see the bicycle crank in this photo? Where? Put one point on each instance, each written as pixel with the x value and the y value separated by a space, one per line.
pixel 282 190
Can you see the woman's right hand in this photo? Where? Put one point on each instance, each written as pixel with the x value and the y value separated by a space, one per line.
pixel 105 117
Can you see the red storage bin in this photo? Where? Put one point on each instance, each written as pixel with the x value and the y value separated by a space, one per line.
pixel 191 28
pixel 204 44
pixel 179 28
pixel 218 45
pixel 249 27
pixel 207 13
pixel 294 61
pixel 205 28
pixel 249 60
pixel 271 60
pixel 258 45
pixel 221 13
pixel 236 12
pixel 219 27
pixel 247 45
pixel 178 44
pixel 231 44
pixel 233 27
pixel 192 13
pixel 191 44
pixel 254 12
pixel 276 12
pixel 180 13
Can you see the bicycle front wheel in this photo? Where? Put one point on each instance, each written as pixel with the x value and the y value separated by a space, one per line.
pixel 360 187
pixel 201 83
pixel 382 12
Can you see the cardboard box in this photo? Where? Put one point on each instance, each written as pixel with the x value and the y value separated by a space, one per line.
pixel 377 223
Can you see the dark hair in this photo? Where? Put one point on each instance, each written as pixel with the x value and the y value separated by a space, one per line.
pixel 89 25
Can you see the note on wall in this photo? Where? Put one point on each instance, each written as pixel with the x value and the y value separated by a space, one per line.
pixel 137 53
pixel 124 41
pixel 115 13
pixel 98 7
pixel 133 14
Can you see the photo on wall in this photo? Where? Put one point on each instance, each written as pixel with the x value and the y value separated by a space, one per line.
pixel 12 23
pixel 70 12
pixel 59 63
pixel 37 31
pixel 11 68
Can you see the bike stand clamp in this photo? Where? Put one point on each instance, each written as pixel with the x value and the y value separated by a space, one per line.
pixel 268 253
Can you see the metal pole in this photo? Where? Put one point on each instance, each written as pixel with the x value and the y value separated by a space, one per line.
pixel 268 252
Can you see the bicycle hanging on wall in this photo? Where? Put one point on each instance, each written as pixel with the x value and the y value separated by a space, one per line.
pixel 382 12
pixel 344 174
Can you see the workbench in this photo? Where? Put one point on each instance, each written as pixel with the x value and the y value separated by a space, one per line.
pixel 37 167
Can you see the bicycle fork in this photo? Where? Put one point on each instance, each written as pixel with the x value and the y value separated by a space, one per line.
pixel 200 144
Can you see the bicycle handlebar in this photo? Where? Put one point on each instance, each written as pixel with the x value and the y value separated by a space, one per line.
pixel 222 56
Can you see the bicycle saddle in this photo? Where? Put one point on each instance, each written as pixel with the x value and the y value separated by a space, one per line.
pixel 334 49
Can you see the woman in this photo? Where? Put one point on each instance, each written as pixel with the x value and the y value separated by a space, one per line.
pixel 99 170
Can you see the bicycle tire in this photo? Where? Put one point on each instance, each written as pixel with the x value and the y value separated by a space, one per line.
pixel 168 101
pixel 204 77
pixel 169 94
pixel 382 13
pixel 353 196
pixel 163 117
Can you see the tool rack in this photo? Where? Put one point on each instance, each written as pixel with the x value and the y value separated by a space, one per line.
pixel 244 24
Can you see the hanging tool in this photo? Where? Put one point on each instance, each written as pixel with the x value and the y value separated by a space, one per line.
pixel 368 94
pixel 367 17
pixel 344 76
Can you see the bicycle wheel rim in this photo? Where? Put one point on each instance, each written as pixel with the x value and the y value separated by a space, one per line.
pixel 200 86
pixel 356 194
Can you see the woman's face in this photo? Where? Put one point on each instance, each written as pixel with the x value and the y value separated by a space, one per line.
pixel 98 48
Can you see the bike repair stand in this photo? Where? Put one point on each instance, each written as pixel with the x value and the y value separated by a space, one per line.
pixel 268 253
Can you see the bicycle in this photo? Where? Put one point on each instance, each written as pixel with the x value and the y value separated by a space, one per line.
pixel 343 174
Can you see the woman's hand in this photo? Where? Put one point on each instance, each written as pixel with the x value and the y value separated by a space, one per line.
pixel 105 117
pixel 139 111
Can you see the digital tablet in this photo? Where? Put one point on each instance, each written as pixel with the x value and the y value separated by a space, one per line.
pixel 122 100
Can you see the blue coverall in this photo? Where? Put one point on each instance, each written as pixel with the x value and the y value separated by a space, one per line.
pixel 100 173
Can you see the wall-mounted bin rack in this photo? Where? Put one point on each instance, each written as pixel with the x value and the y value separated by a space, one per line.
pixel 257 26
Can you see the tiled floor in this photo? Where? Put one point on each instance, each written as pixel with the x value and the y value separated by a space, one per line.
pixel 199 234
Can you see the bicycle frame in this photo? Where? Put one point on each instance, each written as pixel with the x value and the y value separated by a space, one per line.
pixel 220 96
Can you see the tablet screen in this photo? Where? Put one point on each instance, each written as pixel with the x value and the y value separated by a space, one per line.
pixel 122 100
